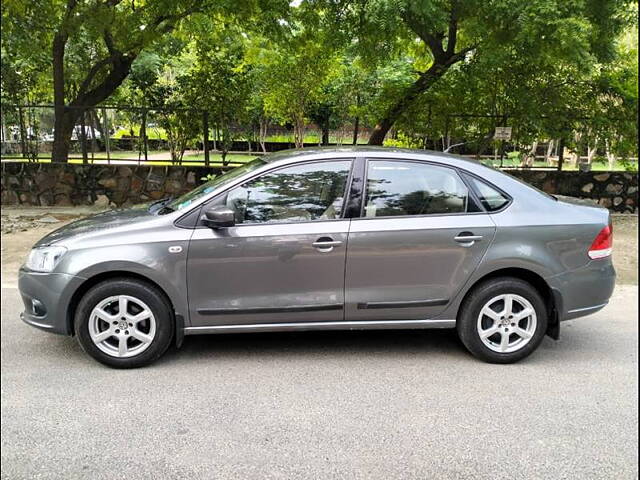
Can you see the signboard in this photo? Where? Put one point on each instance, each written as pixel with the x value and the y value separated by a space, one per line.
pixel 502 133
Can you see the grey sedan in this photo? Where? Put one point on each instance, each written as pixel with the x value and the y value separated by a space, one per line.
pixel 326 239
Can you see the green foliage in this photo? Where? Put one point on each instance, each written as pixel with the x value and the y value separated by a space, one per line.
pixel 403 141
pixel 551 69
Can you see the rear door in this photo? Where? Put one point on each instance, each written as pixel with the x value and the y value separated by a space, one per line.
pixel 420 235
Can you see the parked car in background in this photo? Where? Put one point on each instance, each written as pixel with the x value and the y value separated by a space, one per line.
pixel 90 132
pixel 326 239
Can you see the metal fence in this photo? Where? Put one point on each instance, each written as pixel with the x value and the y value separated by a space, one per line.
pixel 106 133
pixel 131 134
pixel 125 134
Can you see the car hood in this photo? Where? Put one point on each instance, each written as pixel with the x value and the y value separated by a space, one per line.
pixel 96 223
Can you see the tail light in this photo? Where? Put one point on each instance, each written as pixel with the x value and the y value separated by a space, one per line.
pixel 602 246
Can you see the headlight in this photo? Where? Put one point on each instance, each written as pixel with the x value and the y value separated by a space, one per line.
pixel 44 259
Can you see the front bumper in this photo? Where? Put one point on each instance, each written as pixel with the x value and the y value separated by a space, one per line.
pixel 586 290
pixel 46 298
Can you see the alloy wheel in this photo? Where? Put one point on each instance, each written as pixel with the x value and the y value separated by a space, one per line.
pixel 122 326
pixel 506 323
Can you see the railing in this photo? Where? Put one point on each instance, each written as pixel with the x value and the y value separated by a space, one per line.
pixel 131 134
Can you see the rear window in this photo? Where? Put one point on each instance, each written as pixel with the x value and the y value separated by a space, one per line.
pixel 491 198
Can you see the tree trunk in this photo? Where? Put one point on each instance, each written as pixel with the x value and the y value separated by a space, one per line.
pixel 298 133
pixel 263 134
pixel 83 136
pixel 23 133
pixel 61 128
pixel 560 153
pixel 106 136
pixel 325 135
pixel 530 156
pixel 356 128
pixel 547 156
pixel 611 158
pixel 421 85
pixel 65 116
pixel 591 152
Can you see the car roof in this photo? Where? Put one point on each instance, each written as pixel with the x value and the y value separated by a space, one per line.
pixel 359 150
pixel 292 156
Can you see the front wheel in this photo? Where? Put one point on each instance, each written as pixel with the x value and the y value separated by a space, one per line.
pixel 502 320
pixel 124 323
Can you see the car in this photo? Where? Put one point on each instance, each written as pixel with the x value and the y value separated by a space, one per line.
pixel 326 239
pixel 90 133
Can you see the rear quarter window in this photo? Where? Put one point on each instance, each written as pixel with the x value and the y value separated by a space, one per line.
pixel 491 198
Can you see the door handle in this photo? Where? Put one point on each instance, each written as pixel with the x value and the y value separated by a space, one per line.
pixel 467 239
pixel 326 244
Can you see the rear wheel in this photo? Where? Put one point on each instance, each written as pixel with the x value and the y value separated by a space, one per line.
pixel 124 323
pixel 502 320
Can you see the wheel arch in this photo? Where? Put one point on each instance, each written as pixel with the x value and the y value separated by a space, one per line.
pixel 103 276
pixel 551 296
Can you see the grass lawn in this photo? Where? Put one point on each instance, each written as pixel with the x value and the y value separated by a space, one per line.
pixel 215 159
pixel 153 133
pixel 235 159
pixel 159 133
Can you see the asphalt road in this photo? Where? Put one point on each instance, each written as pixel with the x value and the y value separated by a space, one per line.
pixel 325 405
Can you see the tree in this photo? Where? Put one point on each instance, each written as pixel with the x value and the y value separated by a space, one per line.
pixel 331 107
pixel 294 75
pixel 440 35
pixel 295 69
pixel 93 44
pixel 220 82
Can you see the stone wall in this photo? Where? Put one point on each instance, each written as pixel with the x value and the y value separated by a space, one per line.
pixel 49 184
pixel 618 191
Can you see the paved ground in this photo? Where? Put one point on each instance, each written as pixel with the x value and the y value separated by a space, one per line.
pixel 325 405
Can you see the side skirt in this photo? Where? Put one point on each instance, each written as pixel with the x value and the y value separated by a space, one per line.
pixel 308 326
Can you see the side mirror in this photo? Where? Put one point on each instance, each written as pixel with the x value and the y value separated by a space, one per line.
pixel 219 217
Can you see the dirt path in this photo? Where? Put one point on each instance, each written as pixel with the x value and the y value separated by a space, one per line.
pixel 625 248
pixel 28 225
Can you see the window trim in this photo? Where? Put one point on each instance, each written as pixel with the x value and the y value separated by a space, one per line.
pixel 355 192
pixel 459 172
pixel 275 169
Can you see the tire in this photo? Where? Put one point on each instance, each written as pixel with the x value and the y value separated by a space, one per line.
pixel 523 335
pixel 135 339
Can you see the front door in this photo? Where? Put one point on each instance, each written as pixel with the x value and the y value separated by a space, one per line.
pixel 284 259
pixel 407 255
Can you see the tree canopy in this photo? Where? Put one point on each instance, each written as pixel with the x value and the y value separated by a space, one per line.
pixel 563 69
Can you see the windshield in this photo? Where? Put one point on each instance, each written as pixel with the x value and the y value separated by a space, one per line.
pixel 188 198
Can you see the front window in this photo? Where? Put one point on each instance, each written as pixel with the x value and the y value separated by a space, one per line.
pixel 188 198
pixel 312 191
pixel 397 188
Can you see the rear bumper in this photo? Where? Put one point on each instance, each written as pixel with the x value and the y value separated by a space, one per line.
pixel 46 298
pixel 584 291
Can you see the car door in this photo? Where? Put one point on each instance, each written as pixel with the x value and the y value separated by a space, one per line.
pixel 284 259
pixel 420 235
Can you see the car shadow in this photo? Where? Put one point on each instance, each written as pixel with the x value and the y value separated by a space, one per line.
pixel 332 343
